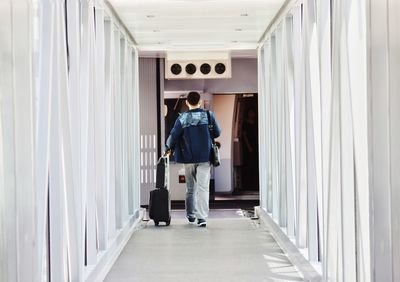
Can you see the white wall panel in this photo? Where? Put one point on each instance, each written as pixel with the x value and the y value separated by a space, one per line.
pixel 314 73
pixel 384 106
pixel 57 143
pixel 17 236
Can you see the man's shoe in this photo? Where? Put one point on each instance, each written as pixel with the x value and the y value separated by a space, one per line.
pixel 191 219
pixel 201 223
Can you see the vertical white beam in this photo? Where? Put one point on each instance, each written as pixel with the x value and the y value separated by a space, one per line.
pixel 42 136
pixel 110 147
pixel 137 129
pixel 76 207
pixel 84 117
pixel 124 126
pixel 297 81
pixel 130 128
pixel 311 108
pixel 100 134
pixel 334 251
pixel 394 88
pixel 9 255
pixel 69 179
pixel 57 219
pixel 289 126
pixel 380 144
pixel 118 132
pixel 324 39
pixel 265 115
pixel 56 206
pixel 268 123
pixel 280 145
pixel 357 57
pixel 22 28
pixel 3 212
pixel 262 126
pixel 274 130
pixel 17 148
pixel 91 226
pixel 302 174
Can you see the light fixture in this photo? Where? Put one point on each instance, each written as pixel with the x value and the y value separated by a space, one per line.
pixel 244 15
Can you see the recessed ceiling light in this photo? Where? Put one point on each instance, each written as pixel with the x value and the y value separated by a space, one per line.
pixel 150 16
pixel 244 15
pixel 238 29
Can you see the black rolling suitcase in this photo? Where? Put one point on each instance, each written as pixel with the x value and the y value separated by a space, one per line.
pixel 160 203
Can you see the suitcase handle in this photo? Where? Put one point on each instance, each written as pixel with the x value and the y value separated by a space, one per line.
pixel 167 153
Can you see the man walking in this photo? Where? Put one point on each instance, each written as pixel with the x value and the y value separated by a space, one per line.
pixel 191 142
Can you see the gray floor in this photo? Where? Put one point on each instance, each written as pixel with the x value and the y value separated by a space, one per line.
pixel 231 248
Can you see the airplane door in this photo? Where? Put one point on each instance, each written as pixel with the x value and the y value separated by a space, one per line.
pixel 223 106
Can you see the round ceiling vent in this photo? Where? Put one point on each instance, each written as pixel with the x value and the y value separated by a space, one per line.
pixel 220 68
pixel 190 68
pixel 176 69
pixel 205 68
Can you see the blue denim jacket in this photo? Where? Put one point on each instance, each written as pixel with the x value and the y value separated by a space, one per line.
pixel 190 137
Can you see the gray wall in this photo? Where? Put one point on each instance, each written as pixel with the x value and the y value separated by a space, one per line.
pixel 244 79
pixel 148 126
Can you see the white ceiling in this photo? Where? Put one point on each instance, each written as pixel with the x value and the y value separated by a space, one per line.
pixel 161 25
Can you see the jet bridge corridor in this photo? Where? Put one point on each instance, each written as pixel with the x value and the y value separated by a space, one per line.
pixel 307 96
pixel 221 252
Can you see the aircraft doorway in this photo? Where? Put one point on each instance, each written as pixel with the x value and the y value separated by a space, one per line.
pixel 234 184
pixel 238 118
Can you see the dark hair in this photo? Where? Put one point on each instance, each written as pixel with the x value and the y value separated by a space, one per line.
pixel 193 98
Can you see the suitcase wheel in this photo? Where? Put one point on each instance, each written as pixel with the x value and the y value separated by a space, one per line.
pixel 156 223
pixel 168 222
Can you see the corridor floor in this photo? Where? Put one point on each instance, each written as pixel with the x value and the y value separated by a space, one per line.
pixel 232 247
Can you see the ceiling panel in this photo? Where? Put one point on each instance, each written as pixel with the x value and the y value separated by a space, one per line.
pixel 164 25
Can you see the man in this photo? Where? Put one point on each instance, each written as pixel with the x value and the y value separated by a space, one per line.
pixel 191 142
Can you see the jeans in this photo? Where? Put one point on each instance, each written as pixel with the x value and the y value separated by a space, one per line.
pixel 197 189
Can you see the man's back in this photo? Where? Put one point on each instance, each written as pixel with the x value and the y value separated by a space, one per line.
pixel 191 137
pixel 191 141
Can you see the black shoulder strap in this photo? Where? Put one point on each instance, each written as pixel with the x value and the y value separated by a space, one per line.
pixel 210 127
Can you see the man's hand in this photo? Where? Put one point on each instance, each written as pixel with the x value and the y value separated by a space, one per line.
pixel 168 152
